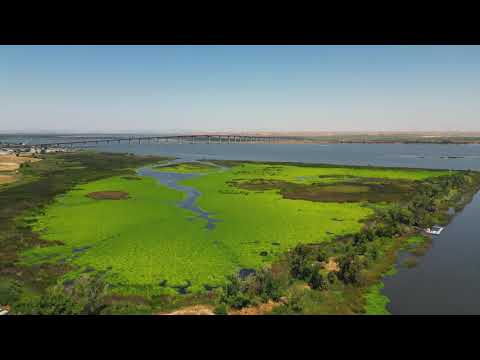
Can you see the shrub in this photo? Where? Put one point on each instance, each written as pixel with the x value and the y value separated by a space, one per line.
pixel 267 286
pixel 299 263
pixel 53 303
pixel 220 309
pixel 317 281
pixel 10 292
pixel 236 293
pixel 332 277
pixel 85 297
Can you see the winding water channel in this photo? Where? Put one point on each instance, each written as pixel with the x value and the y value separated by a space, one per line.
pixel 171 180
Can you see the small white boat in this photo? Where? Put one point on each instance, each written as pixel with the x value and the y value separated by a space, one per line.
pixel 434 230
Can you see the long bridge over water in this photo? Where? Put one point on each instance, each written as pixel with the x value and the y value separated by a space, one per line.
pixel 228 139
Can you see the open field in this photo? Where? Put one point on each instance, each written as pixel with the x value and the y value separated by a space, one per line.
pixel 9 165
pixel 12 162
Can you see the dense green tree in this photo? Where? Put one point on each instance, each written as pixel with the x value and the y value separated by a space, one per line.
pixel 317 281
pixel 350 269
pixel 235 293
pixel 322 255
pixel 300 264
pixel 268 287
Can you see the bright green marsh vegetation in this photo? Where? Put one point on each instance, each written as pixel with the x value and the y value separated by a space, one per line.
pixel 147 239
pixel 152 253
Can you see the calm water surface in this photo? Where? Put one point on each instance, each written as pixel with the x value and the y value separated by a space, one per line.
pixel 447 278
pixel 404 155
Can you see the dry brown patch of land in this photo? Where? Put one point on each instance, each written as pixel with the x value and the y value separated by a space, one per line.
pixel 7 179
pixel 256 310
pixel 192 310
pixel 332 265
pixel 12 162
pixel 108 195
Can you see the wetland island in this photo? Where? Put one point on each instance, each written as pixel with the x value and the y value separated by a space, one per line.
pixel 86 232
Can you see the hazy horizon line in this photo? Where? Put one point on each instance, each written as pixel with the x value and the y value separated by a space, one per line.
pixel 249 131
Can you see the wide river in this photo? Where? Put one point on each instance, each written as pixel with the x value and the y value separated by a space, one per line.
pixel 447 279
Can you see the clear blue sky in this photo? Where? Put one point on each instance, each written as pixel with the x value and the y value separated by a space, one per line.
pixel 162 88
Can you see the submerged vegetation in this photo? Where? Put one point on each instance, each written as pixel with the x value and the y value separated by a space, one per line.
pixel 289 238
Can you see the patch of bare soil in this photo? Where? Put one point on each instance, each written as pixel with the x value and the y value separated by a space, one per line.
pixel 108 195
pixel 332 265
pixel 12 162
pixel 256 310
pixel 192 310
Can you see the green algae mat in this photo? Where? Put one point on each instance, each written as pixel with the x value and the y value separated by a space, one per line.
pixel 133 229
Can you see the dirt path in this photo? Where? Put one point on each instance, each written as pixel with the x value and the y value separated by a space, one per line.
pixel 193 310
